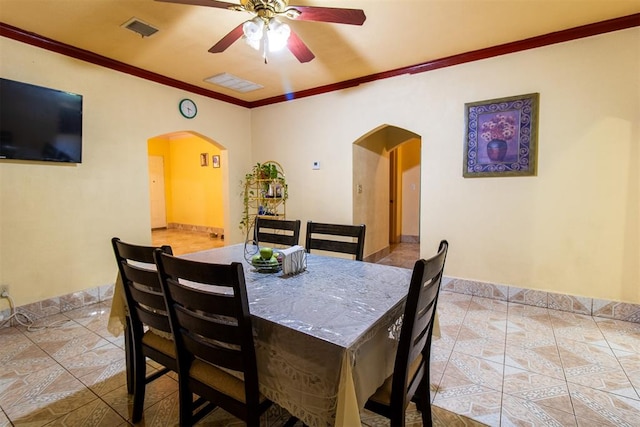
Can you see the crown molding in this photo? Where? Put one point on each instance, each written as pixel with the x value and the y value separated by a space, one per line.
pixel 476 55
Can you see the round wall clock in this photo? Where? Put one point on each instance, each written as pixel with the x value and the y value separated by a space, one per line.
pixel 188 108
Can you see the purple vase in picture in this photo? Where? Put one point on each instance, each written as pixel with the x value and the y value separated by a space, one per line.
pixel 496 150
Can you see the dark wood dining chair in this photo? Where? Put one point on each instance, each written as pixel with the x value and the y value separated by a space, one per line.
pixel 277 231
pixel 410 378
pixel 146 314
pixel 336 238
pixel 213 333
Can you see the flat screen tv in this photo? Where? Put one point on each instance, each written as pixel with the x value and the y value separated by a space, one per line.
pixel 38 123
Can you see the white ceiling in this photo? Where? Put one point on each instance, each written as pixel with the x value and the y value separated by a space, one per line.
pixel 396 34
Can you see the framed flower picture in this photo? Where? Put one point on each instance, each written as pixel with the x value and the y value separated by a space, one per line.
pixel 501 137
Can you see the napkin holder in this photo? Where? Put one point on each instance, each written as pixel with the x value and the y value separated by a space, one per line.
pixel 294 260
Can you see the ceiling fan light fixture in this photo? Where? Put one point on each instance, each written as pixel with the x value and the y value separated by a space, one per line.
pixel 253 30
pixel 272 32
pixel 277 35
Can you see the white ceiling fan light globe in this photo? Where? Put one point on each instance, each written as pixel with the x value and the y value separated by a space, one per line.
pixel 253 43
pixel 278 33
pixel 253 30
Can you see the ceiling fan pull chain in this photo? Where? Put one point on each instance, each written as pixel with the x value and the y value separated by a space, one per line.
pixel 265 43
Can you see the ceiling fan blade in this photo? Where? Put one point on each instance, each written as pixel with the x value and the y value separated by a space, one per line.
pixel 227 40
pixel 330 14
pixel 299 49
pixel 209 3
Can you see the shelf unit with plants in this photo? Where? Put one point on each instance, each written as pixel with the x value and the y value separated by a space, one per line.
pixel 265 193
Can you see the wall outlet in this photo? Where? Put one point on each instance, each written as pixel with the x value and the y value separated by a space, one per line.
pixel 4 291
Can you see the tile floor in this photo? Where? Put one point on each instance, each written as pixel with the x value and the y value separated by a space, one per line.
pixel 496 364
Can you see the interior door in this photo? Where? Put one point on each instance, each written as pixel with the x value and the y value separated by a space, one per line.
pixel 156 192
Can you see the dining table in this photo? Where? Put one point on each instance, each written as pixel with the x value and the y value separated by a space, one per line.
pixel 325 337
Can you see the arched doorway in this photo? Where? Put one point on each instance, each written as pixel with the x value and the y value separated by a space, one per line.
pixel 386 176
pixel 188 185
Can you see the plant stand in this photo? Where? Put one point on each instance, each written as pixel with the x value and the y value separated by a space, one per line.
pixel 265 194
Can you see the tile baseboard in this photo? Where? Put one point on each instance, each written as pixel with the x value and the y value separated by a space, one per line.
pixel 575 304
pixel 49 307
pixel 198 228
pixel 581 305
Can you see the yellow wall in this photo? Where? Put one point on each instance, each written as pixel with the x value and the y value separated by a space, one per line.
pixel 197 191
pixel 193 193
pixel 573 229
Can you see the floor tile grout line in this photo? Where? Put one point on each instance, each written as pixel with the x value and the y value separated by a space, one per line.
pixel 444 370
pixel 537 373
pixel 618 360
pixel 85 385
pixel 562 361
pixel 58 363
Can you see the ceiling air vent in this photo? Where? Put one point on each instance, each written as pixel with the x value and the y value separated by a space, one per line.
pixel 137 26
pixel 234 83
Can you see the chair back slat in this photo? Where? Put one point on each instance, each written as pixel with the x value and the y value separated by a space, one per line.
pixel 277 231
pixel 214 354
pixel 145 276
pixel 138 253
pixel 154 319
pixel 147 297
pixel 226 330
pixel 336 238
pixel 220 299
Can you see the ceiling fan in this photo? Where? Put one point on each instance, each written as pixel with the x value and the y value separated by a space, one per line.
pixel 267 30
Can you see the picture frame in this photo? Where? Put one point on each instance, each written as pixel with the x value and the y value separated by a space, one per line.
pixel 501 137
pixel 215 160
pixel 204 159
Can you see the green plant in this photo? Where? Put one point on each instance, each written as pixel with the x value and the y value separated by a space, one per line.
pixel 266 170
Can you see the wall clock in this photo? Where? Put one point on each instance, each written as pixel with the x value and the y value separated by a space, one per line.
pixel 188 108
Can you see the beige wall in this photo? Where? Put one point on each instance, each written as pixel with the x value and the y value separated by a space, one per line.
pixel 371 206
pixel 56 220
pixel 572 229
